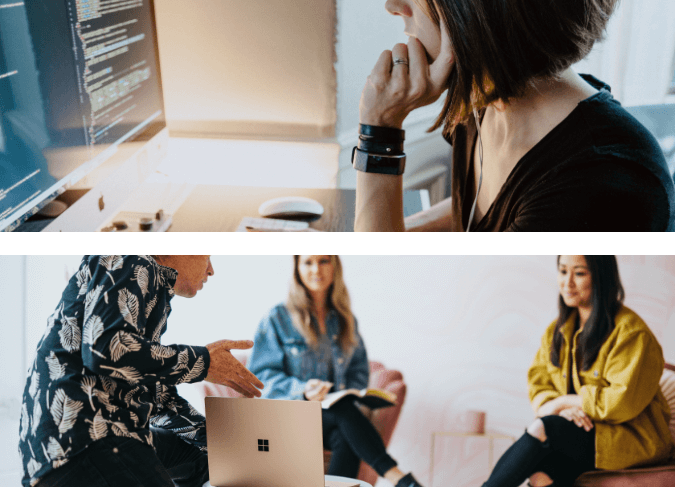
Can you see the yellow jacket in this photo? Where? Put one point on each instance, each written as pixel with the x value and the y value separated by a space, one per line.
pixel 620 392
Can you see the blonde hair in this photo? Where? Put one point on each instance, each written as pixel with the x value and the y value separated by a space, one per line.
pixel 301 307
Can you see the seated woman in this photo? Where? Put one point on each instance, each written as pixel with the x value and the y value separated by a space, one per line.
pixel 536 147
pixel 594 386
pixel 311 346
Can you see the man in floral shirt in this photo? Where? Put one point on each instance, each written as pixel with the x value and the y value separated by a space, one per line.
pixel 101 378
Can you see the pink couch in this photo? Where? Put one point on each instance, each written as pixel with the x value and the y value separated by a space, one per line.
pixel 384 419
pixel 661 476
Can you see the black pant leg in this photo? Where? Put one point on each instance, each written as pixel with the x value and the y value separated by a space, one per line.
pixel 359 434
pixel 186 464
pixel 518 462
pixel 567 452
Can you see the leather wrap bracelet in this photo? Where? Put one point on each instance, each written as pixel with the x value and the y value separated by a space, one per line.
pixel 380 150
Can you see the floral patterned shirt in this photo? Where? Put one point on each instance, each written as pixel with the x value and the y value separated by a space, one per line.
pixel 100 369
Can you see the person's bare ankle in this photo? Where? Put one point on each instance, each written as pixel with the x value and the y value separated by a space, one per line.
pixel 393 475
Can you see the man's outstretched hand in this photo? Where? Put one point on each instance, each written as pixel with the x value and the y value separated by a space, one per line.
pixel 228 371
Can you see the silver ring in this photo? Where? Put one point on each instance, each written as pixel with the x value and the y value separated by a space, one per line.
pixel 399 60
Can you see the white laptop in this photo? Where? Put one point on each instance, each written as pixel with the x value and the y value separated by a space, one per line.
pixel 264 442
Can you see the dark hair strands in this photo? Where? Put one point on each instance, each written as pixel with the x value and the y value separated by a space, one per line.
pixel 606 300
pixel 503 47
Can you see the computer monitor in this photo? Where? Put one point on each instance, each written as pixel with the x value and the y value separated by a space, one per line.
pixel 80 86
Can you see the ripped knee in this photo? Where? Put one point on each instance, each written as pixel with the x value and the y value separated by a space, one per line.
pixel 537 430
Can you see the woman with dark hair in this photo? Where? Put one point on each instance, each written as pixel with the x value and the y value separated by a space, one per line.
pixel 310 346
pixel 594 386
pixel 536 147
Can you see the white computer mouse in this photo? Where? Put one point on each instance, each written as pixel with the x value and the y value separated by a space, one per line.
pixel 291 206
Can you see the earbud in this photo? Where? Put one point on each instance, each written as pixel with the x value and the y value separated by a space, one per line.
pixel 480 178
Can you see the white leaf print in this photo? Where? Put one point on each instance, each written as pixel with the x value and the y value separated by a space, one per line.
pixel 141 276
pixel 90 301
pixel 64 411
pixel 52 319
pixel 128 304
pixel 129 397
pixel 131 375
pixel 104 399
pixel 56 369
pixel 70 334
pixel 88 384
pixel 33 466
pixel 54 452
pixel 157 335
pixel 37 415
pixel 109 385
pixel 111 263
pixel 122 343
pixel 98 428
pixel 24 422
pixel 160 421
pixel 59 462
pixel 190 435
pixel 150 306
pixel 194 373
pixel 182 361
pixel 120 429
pixel 160 352
pixel 34 383
pixel 83 276
pixel 162 394
pixel 93 328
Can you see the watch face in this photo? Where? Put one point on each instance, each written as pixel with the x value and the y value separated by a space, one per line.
pixel 378 163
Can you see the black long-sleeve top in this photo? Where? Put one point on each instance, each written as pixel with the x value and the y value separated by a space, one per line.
pixel 100 369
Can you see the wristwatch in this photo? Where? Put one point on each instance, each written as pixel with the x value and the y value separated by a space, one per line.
pixel 378 163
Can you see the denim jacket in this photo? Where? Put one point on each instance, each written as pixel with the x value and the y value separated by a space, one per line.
pixel 284 362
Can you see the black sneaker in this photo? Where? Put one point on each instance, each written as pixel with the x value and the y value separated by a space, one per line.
pixel 408 481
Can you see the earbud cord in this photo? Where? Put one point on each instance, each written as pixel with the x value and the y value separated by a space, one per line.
pixel 480 178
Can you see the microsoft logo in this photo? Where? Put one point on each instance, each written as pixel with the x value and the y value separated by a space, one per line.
pixel 263 445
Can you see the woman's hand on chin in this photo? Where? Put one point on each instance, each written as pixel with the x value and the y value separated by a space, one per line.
pixel 393 91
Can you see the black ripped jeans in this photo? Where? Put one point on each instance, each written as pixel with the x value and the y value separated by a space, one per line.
pixel 567 452
pixel 352 438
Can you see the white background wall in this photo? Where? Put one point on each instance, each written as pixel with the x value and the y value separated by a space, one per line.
pixel 237 67
pixel 463 330
pixel 271 68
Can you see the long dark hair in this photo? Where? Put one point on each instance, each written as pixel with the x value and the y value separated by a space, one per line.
pixel 606 299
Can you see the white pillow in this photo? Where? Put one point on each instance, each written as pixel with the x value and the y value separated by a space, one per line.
pixel 667 384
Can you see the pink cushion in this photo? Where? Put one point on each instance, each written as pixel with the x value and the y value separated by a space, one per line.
pixel 663 476
pixel 668 387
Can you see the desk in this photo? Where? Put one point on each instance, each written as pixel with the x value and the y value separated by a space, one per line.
pixel 214 208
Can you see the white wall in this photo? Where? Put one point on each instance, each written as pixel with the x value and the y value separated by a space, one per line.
pixel 636 59
pixel 12 286
pixel 463 330
pixel 242 67
pixel 364 30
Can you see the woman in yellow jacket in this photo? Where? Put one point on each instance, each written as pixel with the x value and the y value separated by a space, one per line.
pixel 594 386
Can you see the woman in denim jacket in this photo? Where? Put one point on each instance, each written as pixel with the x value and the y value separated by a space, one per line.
pixel 310 346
